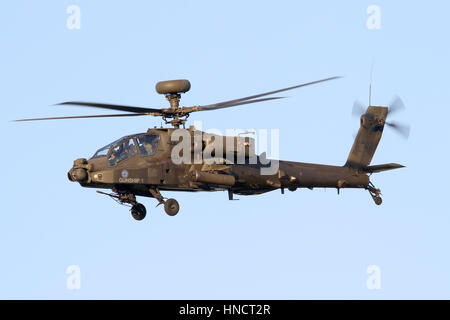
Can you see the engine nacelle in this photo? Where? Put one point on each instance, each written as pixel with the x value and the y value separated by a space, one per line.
pixel 214 178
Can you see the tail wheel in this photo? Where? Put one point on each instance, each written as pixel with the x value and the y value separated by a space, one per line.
pixel 378 200
pixel 138 211
pixel 375 194
pixel 171 207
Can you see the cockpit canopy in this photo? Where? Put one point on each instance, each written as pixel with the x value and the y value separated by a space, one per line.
pixel 126 147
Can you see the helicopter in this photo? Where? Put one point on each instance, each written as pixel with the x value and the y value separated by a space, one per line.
pixel 144 164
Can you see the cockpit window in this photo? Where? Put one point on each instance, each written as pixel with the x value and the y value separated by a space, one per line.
pixel 122 151
pixel 147 144
pixel 103 152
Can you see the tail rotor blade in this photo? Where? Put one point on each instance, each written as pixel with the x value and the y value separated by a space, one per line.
pixel 396 105
pixel 401 128
pixel 358 109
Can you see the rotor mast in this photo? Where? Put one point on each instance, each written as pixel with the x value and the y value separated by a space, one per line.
pixel 172 89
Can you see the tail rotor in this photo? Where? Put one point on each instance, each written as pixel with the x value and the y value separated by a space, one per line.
pixel 396 105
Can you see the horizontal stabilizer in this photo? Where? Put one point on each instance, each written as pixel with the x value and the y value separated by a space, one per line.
pixel 382 167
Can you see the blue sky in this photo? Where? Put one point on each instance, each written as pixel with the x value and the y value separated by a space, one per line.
pixel 307 244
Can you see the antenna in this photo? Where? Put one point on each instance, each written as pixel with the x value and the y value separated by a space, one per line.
pixel 370 84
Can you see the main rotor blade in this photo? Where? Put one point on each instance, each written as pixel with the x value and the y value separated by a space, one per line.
pixel 111 106
pixel 233 102
pixel 82 117
pixel 400 128
pixel 215 106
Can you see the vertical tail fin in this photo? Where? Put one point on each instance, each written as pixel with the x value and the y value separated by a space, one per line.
pixel 369 135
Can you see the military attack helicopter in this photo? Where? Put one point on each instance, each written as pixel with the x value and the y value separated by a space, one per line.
pixel 143 164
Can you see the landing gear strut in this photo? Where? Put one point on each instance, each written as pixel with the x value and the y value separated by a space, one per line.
pixel 375 193
pixel 137 210
pixel 171 206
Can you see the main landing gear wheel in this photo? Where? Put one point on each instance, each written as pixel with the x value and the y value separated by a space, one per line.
pixel 171 207
pixel 138 211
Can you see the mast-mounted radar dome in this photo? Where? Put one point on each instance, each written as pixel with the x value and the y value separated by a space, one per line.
pixel 173 86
